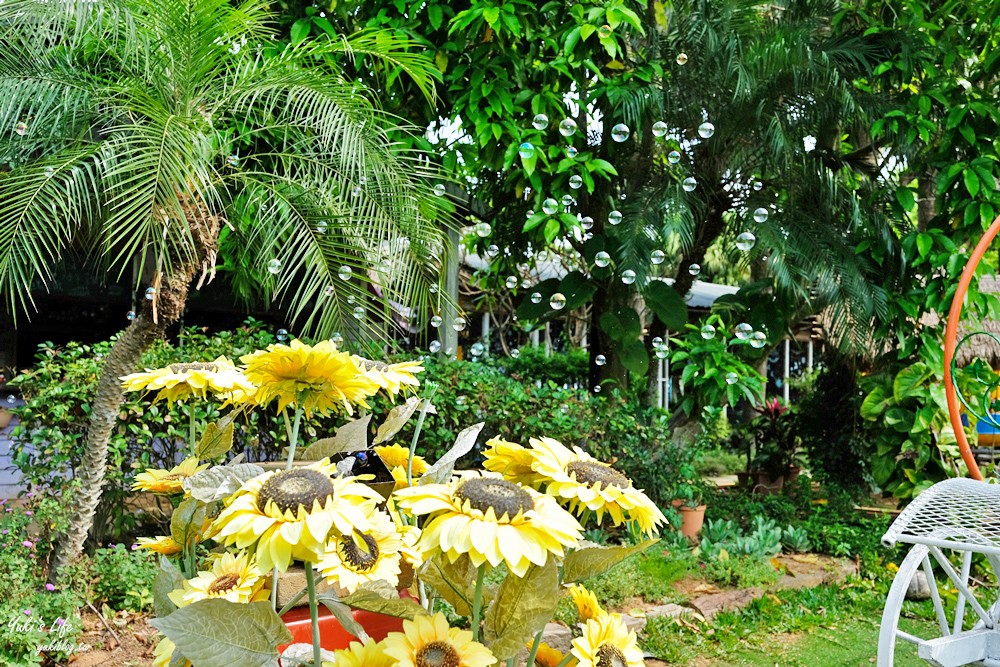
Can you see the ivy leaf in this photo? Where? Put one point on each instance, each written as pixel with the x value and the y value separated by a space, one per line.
pixel 220 482
pixel 443 467
pixel 217 439
pixel 909 379
pixel 219 632
pixel 521 608
pixel 591 561
pixel 351 437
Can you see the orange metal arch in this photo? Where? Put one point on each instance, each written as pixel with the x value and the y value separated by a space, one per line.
pixel 950 341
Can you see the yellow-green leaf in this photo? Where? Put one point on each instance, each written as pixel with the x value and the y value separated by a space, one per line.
pixel 351 437
pixel 187 520
pixel 216 440
pixel 592 561
pixel 522 607
pixel 372 601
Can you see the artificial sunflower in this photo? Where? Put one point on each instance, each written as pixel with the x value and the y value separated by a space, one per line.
pixel 550 657
pixel 392 378
pixel 587 485
pixel 369 654
pixel 289 514
pixel 427 641
pixel 396 459
pixel 586 603
pixel 372 555
pixel 490 519
pixel 233 577
pixel 156 480
pixel 163 544
pixel 163 653
pixel 179 381
pixel 510 460
pixel 606 642
pixel 315 378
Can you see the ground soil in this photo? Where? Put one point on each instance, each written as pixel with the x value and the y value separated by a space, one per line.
pixel 123 640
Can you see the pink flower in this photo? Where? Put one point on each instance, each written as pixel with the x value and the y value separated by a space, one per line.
pixel 4 532
pixel 27 612
pixel 29 513
pixel 60 621
pixel 50 587
pixel 134 547
pixel 28 543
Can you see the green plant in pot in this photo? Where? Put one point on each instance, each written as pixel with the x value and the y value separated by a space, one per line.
pixel 776 446
pixel 689 495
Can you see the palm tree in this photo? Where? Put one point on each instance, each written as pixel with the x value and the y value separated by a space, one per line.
pixel 160 134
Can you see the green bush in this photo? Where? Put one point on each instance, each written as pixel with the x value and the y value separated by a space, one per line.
pixel 123 577
pixel 740 571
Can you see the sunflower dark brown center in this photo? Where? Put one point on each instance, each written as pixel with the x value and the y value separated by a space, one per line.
pixel 438 654
pixel 506 498
pixel 291 488
pixel 588 472
pixel 360 558
pixel 610 656
pixel 224 583
pixel 187 368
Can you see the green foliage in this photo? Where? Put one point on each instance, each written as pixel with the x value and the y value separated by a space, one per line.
pixel 741 571
pixel 123 578
pixel 724 540
pixel 796 539
pixel 568 367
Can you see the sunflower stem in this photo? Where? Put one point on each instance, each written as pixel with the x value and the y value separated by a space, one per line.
pixel 313 614
pixel 416 433
pixel 191 425
pixel 565 661
pixel 534 649
pixel 291 603
pixel 274 588
pixel 293 437
pixel 477 601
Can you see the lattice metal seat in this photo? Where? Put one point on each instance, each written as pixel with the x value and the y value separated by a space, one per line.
pixel 957 513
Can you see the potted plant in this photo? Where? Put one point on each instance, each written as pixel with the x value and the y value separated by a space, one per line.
pixel 776 447
pixel 689 495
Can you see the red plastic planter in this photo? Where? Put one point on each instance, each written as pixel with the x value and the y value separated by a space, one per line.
pixel 332 634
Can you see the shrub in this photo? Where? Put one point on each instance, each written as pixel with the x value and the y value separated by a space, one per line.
pixel 123 578
pixel 740 571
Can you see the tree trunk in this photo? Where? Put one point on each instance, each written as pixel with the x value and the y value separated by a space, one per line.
pixel 123 359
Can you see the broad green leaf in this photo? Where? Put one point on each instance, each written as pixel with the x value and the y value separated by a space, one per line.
pixel 591 561
pixel 452 581
pixel 300 30
pixel 586 30
pixel 168 579
pixel 909 379
pixel 219 632
pixel 220 482
pixel 621 325
pixel 371 601
pixel 971 182
pixel 216 440
pixel 491 14
pixel 522 607
pixel 435 15
pixel 875 403
pixel 187 520
pixel 351 437
pixel 924 243
pixel 531 312
pixel 666 304
pixel 634 357
pixel 343 613
pixel 443 467
pixel 397 418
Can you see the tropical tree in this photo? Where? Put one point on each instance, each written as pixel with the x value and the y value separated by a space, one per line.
pixel 162 134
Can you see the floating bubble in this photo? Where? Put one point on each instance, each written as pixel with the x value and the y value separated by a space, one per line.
pixel 661 352
pixel 492 250
pixel 732 378
pixel 571 152
pixel 540 121
pixel 50 172
pixel 656 342
pixel 758 339
pixel 604 31
pixel 628 276
pixel 597 389
pixel 550 206
pixel 526 150
pixel 657 256
pixel 689 184
pixel 329 290
pixel 483 229
pixel 694 269
pixel 233 160
pixel 477 349
pixel 511 282
pixel 760 215
pixel 615 217
pixel 150 293
pixel 659 129
pixel 345 273
pixel 536 297
pixel 620 132
pixel 459 324
pixel 436 321
pixel 515 353
pixel 743 331
pixel 356 190
pixel 758 186
pixel 281 334
pixel 351 299
pixel 673 157
pixel 567 127
pixel 587 223
pixel 567 201
pixel 576 181
pixel 525 283
pixel 358 312
pixel 682 58
pixel 338 338
pixel 130 315
pixel 708 332
pixel 746 241
pixel 602 259
pixel 460 400
pixel 433 289
pixel 435 346
pixel 557 301
pixel 322 226
pixel 600 360
pixel 439 190
pixel 706 130
pixel 21 128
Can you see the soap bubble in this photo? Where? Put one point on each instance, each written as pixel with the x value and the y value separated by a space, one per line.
pixel 515 353
pixel 439 189
pixel 526 150
pixel 511 282
pixel 492 250
pixel 483 229
pixel 760 215
pixel 657 257
pixel 746 241
pixel 433 289
pixel 682 58
pixel 694 269
pixel 557 301
pixel 477 349
pixel 571 152
pixel 435 346
pixel 659 129
pixel 460 400
pixel 576 181
pixel 358 312
pixel 567 201
pixel 50 172
pixel 525 283
pixel 600 360
pixel 329 290
pixel 614 217
pixel 21 128
pixel 338 338
pixel 459 324
pixel 587 223
pixel 661 352
pixel 732 378
pixel 356 191
pixel 758 339
pixel 708 332
pixel 550 206
pixel 540 121
pixel 689 184
pixel 345 273
pixel 620 132
pixel 656 342
pixel 706 130
pixel 758 186
pixel 567 127
pixel 233 160
pixel 536 297
pixel 436 321
pixel 743 331
pixel 673 157
pixel 274 266
pixel 281 335
pixel 130 315
pixel 604 31
pixel 322 226
pixel 602 259
pixel 628 276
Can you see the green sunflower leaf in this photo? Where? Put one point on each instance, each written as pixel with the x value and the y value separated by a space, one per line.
pixel 592 561
pixel 351 437
pixel 522 607
pixel 217 439
pixel 187 520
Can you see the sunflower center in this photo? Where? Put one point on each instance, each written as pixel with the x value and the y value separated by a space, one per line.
pixel 290 488
pixel 505 498
pixel 610 656
pixel 438 654
pixel 173 477
pixel 224 583
pixel 590 473
pixel 361 559
pixel 187 368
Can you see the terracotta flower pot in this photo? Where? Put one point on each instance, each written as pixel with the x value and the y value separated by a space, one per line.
pixel 692 519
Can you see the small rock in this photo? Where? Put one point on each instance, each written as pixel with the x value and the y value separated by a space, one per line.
pixel 670 610
pixel 635 623
pixel 918 588
pixel 558 636
pixel 710 605
pixel 302 654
